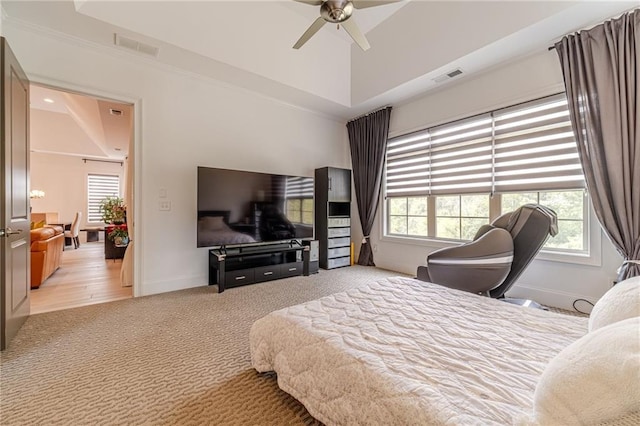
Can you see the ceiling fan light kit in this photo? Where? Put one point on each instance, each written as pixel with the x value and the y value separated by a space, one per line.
pixel 339 12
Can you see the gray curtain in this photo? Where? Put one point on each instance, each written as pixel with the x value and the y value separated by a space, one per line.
pixel 600 68
pixel 368 142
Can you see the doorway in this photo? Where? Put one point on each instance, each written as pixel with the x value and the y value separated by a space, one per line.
pixel 78 139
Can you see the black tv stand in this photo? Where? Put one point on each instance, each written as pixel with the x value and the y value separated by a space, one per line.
pixel 249 264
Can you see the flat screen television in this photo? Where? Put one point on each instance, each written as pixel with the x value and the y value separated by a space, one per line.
pixel 240 207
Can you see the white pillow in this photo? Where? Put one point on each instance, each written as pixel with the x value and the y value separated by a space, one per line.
pixel 593 380
pixel 620 302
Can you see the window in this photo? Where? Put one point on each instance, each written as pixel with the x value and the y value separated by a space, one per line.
pixel 100 187
pixel 468 172
pixel 459 216
pixel 408 216
pixel 299 200
pixel 570 207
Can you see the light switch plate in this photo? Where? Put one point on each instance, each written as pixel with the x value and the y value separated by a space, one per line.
pixel 162 193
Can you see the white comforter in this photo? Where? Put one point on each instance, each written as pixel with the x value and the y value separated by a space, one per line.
pixel 404 352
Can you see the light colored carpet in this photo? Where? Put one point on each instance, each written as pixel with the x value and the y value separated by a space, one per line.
pixel 175 358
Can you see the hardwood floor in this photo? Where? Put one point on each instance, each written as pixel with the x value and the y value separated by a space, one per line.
pixel 85 278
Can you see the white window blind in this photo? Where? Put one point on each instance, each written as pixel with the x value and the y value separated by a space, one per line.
pixel 100 187
pixel 526 147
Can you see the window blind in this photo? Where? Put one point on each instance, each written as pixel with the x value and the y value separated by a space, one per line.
pixel 526 147
pixel 100 187
pixel 535 147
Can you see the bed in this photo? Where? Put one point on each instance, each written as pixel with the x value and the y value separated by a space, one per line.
pixel 406 352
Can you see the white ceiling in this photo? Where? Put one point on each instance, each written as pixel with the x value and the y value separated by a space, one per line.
pixel 249 43
pixel 79 125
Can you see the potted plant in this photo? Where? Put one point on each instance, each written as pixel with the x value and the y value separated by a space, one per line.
pixel 113 210
pixel 119 235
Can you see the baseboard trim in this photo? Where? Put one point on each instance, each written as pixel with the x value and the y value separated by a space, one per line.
pixel 183 283
pixel 555 298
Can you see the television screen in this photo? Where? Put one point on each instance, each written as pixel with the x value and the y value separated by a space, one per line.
pixel 240 207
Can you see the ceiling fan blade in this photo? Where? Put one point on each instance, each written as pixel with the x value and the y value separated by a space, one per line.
pixel 355 33
pixel 311 2
pixel 317 24
pixel 363 4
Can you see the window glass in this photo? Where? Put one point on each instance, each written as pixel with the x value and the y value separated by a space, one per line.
pixel 569 206
pixel 417 223
pixel 448 216
pixel 570 209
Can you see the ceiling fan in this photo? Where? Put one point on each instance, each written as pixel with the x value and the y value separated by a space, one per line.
pixel 339 12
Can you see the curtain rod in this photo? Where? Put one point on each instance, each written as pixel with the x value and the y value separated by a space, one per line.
pixel 601 23
pixel 103 161
pixel 371 112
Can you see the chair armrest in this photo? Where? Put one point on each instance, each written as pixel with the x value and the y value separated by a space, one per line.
pixel 477 266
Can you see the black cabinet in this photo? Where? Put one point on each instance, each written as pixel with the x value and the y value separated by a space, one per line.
pixel 333 216
pixel 251 264
pixel 111 251
pixel 338 183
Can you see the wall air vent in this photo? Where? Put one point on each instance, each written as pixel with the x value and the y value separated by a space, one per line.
pixel 131 44
pixel 115 112
pixel 447 76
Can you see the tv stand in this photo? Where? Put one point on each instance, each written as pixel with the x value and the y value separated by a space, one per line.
pixel 249 264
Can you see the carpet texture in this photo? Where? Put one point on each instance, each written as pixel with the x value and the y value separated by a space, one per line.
pixel 174 358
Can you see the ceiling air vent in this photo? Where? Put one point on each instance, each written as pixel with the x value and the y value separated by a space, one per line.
pixel 447 76
pixel 131 44
pixel 116 112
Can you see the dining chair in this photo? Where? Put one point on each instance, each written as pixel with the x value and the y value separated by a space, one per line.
pixel 74 231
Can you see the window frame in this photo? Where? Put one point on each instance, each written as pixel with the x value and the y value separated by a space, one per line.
pixel 591 256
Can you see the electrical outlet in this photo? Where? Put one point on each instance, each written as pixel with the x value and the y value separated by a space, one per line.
pixel 164 206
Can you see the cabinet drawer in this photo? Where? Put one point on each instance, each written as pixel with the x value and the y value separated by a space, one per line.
pixel 266 273
pixel 338 232
pixel 338 262
pixel 335 222
pixel 239 277
pixel 291 269
pixel 339 252
pixel 338 242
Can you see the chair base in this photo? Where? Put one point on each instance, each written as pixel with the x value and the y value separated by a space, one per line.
pixel 524 302
pixel 422 274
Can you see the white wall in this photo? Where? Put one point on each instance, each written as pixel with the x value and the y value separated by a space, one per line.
pixel 186 121
pixel 63 179
pixel 552 283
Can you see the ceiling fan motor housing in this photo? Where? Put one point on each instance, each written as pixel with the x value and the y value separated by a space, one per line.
pixel 336 11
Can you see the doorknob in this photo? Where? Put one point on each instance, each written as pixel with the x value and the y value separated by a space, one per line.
pixel 9 231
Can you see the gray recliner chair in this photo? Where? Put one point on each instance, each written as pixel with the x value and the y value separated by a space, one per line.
pixel 498 254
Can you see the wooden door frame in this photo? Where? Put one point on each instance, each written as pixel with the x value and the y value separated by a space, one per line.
pixel 137 163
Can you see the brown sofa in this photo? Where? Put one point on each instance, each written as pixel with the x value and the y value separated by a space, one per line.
pixel 47 245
